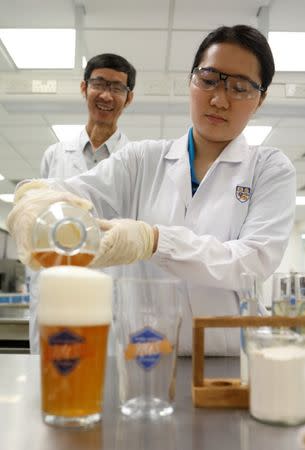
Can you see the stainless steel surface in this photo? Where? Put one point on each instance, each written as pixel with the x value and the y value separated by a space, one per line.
pixel 21 427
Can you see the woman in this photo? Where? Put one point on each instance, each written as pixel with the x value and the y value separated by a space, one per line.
pixel 204 208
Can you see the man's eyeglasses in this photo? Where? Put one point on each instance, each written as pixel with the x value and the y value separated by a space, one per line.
pixel 101 85
pixel 237 87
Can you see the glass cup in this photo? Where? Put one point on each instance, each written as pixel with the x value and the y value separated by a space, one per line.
pixel 299 288
pixel 147 319
pixel 282 293
pixel 74 315
pixel 248 303
pixel 288 294
pixel 276 372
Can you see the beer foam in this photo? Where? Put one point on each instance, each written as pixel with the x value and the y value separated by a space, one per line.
pixel 70 295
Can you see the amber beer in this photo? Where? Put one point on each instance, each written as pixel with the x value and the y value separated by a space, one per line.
pixel 74 315
pixel 50 258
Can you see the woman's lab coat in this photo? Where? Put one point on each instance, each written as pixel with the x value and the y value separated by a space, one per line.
pixel 61 160
pixel 239 220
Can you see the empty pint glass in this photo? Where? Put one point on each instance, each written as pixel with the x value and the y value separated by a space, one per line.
pixel 147 318
pixel 74 314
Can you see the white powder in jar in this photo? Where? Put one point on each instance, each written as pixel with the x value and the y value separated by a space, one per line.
pixel 277 384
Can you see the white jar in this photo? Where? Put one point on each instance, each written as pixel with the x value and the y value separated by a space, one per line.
pixel 277 376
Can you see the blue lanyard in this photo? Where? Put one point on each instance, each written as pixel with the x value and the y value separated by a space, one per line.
pixel 191 151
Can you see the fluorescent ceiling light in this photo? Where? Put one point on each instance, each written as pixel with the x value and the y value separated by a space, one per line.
pixel 2 177
pixel 300 200
pixel 7 198
pixel 40 48
pixel 255 135
pixel 67 132
pixel 303 236
pixel 287 49
pixel 84 62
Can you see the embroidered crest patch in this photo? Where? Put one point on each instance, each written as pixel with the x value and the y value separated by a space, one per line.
pixel 243 193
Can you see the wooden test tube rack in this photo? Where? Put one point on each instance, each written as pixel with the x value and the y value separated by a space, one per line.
pixel 226 392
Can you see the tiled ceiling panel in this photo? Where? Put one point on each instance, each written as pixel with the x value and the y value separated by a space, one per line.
pixel 137 133
pixel 183 49
pixel 197 14
pixel 284 14
pixel 127 14
pixel 286 136
pixel 146 50
pixel 18 134
pixel 37 14
pixel 18 170
pixel 31 150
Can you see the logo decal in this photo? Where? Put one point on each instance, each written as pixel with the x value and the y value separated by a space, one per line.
pixel 243 193
pixel 65 351
pixel 146 347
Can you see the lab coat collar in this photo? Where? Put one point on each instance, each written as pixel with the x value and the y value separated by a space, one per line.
pixel 178 148
pixel 179 172
pixel 112 142
pixel 78 143
pixel 233 152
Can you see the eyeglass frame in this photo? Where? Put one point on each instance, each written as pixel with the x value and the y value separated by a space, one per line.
pixel 108 85
pixel 223 77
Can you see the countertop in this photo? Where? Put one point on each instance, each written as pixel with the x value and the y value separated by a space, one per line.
pixel 21 427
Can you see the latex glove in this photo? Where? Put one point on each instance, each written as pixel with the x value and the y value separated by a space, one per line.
pixel 31 199
pixel 124 242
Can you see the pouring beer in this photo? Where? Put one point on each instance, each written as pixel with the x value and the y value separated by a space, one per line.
pixel 74 315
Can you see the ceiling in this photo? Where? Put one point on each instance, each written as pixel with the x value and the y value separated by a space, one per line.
pixel 160 39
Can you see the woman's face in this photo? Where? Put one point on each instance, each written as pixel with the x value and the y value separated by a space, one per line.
pixel 217 117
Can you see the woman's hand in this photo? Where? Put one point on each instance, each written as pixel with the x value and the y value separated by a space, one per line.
pixel 125 241
pixel 31 199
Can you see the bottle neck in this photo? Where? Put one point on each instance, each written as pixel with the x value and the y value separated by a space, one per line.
pixel 68 235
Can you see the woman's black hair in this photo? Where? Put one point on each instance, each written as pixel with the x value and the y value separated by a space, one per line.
pixel 246 37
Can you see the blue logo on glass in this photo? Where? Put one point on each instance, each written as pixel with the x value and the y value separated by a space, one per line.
pixel 63 361
pixel 147 339
pixel 65 337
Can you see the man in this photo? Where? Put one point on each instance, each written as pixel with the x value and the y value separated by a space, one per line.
pixel 107 86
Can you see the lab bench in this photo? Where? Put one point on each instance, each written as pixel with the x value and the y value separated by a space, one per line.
pixel 191 428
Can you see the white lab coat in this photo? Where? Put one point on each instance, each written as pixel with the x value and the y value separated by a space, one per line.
pixel 209 239
pixel 61 160
pixel 66 159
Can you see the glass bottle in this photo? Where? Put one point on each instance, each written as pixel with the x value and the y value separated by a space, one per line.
pixel 248 304
pixel 65 235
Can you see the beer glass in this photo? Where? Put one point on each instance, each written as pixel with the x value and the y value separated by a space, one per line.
pixel 147 318
pixel 74 314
